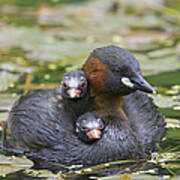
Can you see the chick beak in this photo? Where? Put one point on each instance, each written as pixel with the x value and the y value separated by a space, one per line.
pixel 73 93
pixel 141 84
pixel 94 134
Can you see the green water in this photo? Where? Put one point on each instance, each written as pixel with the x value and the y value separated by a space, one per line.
pixel 40 40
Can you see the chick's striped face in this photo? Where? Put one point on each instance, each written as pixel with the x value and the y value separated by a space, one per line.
pixel 74 84
pixel 89 127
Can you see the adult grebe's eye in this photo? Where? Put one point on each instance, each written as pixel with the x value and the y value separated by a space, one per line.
pixel 117 70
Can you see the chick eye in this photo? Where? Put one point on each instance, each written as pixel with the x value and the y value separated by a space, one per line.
pixel 83 128
pixel 101 126
pixel 65 85
pixel 82 85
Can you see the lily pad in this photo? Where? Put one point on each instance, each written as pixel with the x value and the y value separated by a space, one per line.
pixel 7 101
pixel 40 173
pixel 132 177
pixel 7 80
pixel 166 79
pixel 69 51
pixel 3 117
pixel 16 66
pixel 13 164
pixel 163 101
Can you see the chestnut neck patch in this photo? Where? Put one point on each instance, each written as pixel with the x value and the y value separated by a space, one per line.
pixel 105 103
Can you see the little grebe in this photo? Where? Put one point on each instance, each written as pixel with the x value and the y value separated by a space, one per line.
pixel 113 72
pixel 41 123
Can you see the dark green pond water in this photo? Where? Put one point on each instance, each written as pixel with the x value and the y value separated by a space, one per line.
pixel 40 40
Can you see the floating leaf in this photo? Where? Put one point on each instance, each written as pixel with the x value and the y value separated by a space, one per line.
pixel 13 164
pixel 6 101
pixel 7 80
